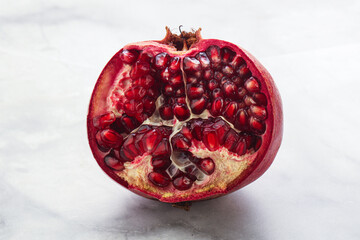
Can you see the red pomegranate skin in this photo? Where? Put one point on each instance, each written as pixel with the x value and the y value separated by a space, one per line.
pixel 262 158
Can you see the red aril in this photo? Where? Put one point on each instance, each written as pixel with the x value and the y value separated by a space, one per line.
pixel 184 118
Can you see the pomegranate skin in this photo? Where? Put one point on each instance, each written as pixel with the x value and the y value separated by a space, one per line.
pixel 263 158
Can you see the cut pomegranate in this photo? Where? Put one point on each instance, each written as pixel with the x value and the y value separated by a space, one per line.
pixel 184 118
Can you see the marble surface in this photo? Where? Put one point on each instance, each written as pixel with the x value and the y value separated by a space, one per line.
pixel 51 53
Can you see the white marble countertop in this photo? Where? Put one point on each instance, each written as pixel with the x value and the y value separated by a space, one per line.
pixel 51 53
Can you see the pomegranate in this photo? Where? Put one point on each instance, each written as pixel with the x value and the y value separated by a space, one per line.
pixel 184 118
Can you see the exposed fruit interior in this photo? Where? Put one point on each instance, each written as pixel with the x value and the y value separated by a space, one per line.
pixel 181 123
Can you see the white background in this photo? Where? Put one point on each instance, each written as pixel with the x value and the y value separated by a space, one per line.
pixel 51 53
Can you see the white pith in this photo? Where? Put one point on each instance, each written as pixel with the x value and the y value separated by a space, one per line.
pixel 228 166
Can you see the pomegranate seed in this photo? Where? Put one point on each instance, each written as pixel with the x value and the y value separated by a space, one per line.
pixel 150 140
pixel 213 84
pixel 128 150
pixel 208 74
pixel 129 56
pixel 256 143
pixel 218 76
pixel 153 93
pixel 196 128
pixel 238 81
pixel 179 142
pixel 258 112
pixel 216 93
pixel 161 60
pixel 256 125
pixel 244 72
pixel 185 131
pixel 181 111
pixel 140 69
pixel 182 183
pixel 145 57
pixel 191 65
pixel 191 171
pixel 180 100
pixel 240 147
pixel 229 89
pixel 159 179
pixel 176 81
pixel 198 105
pixel 204 60
pixel 174 64
pixel 141 117
pixel 149 105
pixel 241 92
pixel 249 101
pixel 128 123
pixel 260 99
pixel 195 91
pixel 113 163
pixel 221 128
pixel 163 148
pixel 227 55
pixel 160 162
pixel 217 106
pixel 108 138
pixel 165 75
pixel 103 121
pixel 207 165
pixel 135 93
pixel 241 120
pixel 230 139
pixel 180 92
pixel 210 139
pixel 192 80
pixel 237 62
pixel 230 111
pixel 252 85
pixel 146 81
pixel 168 90
pixel 133 107
pixel 213 53
pixel 166 112
pixel 227 70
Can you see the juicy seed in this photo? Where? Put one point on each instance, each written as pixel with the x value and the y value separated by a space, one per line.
pixel 146 81
pixel 128 150
pixel 258 112
pixel 174 64
pixel 249 101
pixel 168 90
pixel 182 183
pixel 133 107
pixel 191 65
pixel 213 84
pixel 185 131
pixel 114 163
pixel 181 111
pixel 163 148
pixel 128 123
pixel 161 60
pixel 159 179
pixel 227 70
pixel 207 165
pixel 179 142
pixel 240 147
pixel 204 60
pixel 241 120
pixel 216 93
pixel 230 111
pixel 237 62
pixel 196 129
pixel 136 93
pixel 129 56
pixel 221 128
pixel 195 91
pixel 210 139
pixel 256 125
pixel 213 53
pixel 227 55
pixel 160 163
pixel 217 106
pixel 140 69
pixel 230 139
pixel 260 99
pixel 229 89
pixel 244 72
pixel 150 140
pixel 198 105
pixel 165 75
pixel 176 81
pixel 252 85
pixel 108 138
pixel 166 112
pixel 103 121
pixel 149 106
pixel 208 74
